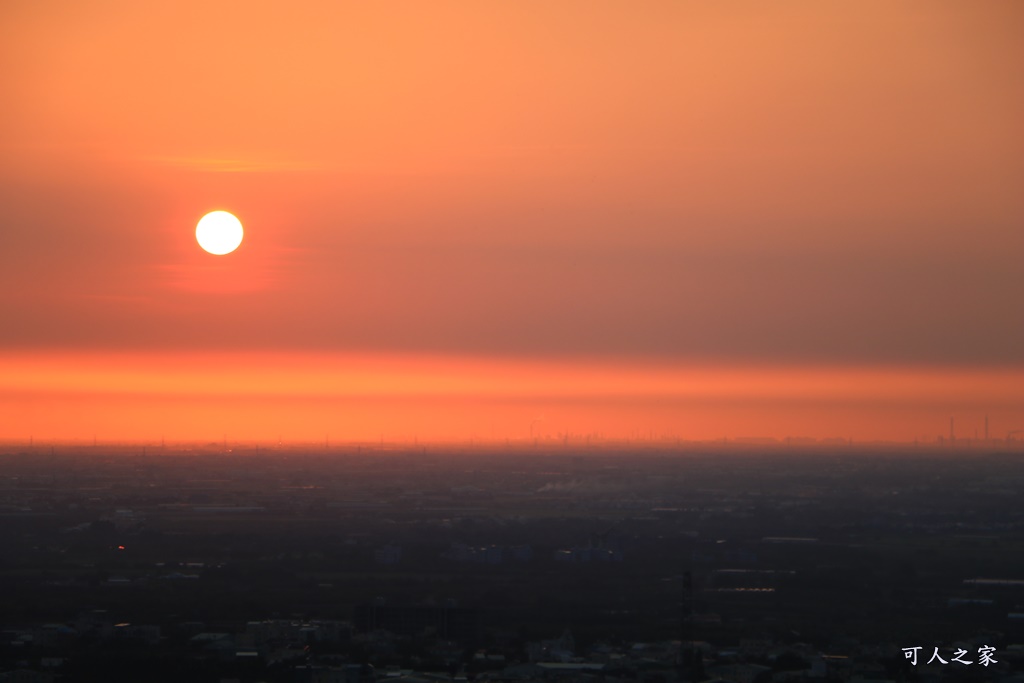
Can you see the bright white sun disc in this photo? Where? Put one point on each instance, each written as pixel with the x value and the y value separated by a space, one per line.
pixel 218 232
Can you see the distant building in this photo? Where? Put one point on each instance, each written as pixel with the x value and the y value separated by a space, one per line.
pixel 560 649
pixel 448 621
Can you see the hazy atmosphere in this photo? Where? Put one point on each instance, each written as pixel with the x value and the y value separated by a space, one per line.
pixel 514 220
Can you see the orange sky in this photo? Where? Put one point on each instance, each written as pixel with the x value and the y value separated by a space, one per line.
pixel 703 219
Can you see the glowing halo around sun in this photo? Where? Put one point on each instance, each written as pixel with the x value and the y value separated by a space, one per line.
pixel 219 232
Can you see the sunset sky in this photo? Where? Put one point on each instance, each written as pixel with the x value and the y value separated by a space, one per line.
pixel 505 219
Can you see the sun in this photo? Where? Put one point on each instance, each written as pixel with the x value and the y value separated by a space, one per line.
pixel 219 232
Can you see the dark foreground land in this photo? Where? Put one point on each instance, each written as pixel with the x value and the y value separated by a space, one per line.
pixel 653 563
